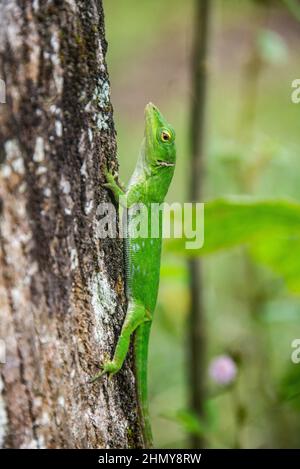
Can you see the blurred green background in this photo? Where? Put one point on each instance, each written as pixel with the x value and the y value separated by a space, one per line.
pixel 252 148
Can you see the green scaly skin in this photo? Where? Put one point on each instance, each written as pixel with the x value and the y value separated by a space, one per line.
pixel 149 184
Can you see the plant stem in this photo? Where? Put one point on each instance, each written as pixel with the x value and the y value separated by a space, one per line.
pixel 197 132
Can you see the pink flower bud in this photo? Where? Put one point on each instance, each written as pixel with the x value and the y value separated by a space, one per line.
pixel 222 369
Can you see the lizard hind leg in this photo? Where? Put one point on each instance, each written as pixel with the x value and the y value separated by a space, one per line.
pixel 135 316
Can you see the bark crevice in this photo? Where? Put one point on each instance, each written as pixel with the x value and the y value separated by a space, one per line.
pixel 62 299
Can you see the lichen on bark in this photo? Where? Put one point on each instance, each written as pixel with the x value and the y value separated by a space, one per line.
pixel 62 300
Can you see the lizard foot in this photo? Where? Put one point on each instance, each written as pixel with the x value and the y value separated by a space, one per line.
pixel 112 184
pixel 109 367
pixel 110 178
pixel 109 186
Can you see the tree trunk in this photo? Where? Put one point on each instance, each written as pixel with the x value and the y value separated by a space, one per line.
pixel 62 296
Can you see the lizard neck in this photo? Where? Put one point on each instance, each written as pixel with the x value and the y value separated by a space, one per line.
pixel 154 181
pixel 158 177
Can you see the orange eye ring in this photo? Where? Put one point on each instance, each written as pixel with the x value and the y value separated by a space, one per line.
pixel 165 136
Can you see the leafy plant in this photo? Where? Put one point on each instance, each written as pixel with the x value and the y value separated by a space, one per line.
pixel 271 229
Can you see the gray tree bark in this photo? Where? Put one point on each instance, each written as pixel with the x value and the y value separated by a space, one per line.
pixel 62 299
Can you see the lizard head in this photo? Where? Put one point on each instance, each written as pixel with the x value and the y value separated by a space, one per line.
pixel 159 140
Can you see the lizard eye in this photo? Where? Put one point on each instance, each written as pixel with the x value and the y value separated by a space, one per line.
pixel 165 136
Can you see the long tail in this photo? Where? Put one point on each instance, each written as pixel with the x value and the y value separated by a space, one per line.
pixel 141 361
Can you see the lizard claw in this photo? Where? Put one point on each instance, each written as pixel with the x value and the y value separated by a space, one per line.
pixel 109 367
pixel 96 377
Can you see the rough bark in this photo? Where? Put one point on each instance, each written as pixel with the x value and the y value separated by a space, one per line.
pixel 62 299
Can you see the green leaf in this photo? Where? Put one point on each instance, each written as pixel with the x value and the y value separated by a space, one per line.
pixel 231 222
pixel 270 227
pixel 289 389
pixel 191 423
pixel 293 7
pixel 282 256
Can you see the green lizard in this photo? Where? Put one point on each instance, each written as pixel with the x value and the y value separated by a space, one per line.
pixel 149 184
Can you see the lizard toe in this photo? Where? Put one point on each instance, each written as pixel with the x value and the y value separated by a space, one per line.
pixel 109 368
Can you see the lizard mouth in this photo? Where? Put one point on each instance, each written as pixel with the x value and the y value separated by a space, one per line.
pixel 165 163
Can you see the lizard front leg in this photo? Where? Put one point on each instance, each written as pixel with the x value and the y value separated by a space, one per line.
pixel 126 199
pixel 135 316
pixel 112 185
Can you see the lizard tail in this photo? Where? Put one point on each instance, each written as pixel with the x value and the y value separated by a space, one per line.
pixel 141 361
